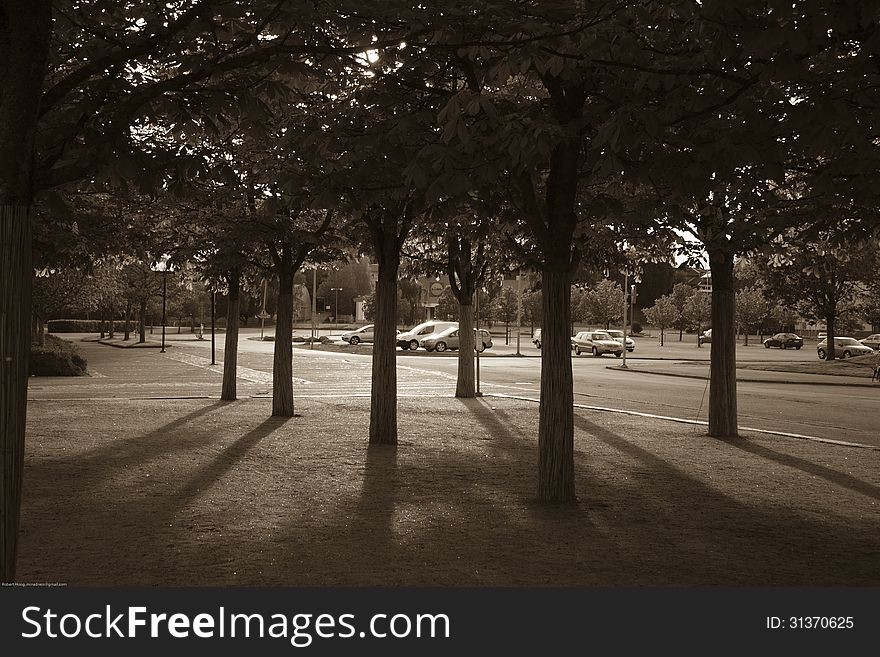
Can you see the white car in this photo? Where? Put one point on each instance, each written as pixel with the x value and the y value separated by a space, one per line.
pixel 597 343
pixel 843 348
pixel 448 339
pixel 618 335
pixel 410 339
pixel 363 334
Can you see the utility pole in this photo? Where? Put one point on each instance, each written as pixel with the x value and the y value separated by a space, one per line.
pixel 518 309
pixel 625 304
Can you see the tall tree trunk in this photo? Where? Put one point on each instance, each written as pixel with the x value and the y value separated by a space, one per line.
pixel 111 328
pixel 282 363
pixel 142 322
pixel 830 333
pixel 466 384
pixel 722 371
pixel 127 326
pixel 383 393
pixel 556 415
pixel 16 272
pixel 25 28
pixel 36 324
pixel 230 348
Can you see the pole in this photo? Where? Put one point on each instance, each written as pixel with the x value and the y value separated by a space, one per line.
pixel 164 294
pixel 314 305
pixel 263 311
pixel 477 315
pixel 213 328
pixel 518 310
pixel 625 288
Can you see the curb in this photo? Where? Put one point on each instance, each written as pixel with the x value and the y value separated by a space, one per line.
pixel 132 345
pixel 746 379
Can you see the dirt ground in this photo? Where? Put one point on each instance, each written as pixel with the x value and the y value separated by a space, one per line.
pixel 202 492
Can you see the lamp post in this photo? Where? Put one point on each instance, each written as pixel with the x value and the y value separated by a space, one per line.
pixel 314 307
pixel 336 307
pixel 163 266
pixel 213 327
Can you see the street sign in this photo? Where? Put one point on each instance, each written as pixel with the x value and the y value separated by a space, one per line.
pixel 437 288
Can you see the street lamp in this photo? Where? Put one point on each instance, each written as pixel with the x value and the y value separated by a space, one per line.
pixel 164 266
pixel 336 307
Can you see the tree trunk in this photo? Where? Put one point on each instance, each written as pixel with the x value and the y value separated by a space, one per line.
pixel 830 333
pixel 127 326
pixel 111 328
pixel 556 421
pixel 142 322
pixel 282 363
pixel 230 348
pixel 722 355
pixel 25 28
pixel 383 393
pixel 466 384
pixel 16 272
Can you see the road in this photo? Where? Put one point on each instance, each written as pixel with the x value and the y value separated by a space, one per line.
pixel 843 413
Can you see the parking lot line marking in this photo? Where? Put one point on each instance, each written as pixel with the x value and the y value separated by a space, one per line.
pixel 681 420
pixel 246 373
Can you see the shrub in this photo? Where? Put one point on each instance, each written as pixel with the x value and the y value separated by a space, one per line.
pixel 636 327
pixel 86 325
pixel 56 357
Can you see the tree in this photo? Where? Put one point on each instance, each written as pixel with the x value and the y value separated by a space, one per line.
pixel 681 293
pixel 751 307
pixel 604 303
pixel 697 312
pixel 662 314
pixel 507 305
pixel 820 277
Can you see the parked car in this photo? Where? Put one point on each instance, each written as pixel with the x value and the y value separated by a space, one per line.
pixel 448 339
pixel 410 339
pixel 872 341
pixel 823 335
pixel 843 348
pixel 363 334
pixel 784 341
pixel 597 343
pixel 705 336
pixel 618 335
pixel 536 338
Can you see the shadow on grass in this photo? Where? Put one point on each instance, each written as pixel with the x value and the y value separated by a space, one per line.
pixel 829 474
pixel 210 473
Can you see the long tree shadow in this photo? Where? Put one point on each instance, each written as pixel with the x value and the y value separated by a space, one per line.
pixel 729 530
pixel 152 444
pixel 829 474
pixel 211 473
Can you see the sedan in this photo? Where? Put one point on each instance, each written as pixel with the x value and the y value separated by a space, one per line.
pixel 872 341
pixel 363 334
pixel 448 339
pixel 597 343
pixel 843 348
pixel 784 341
pixel 618 335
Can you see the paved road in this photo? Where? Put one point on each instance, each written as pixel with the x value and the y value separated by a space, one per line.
pixel 826 411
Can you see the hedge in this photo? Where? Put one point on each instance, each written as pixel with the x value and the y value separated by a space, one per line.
pixel 56 357
pixel 86 325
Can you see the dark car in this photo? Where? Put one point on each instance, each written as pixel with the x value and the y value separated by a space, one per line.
pixel 784 341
